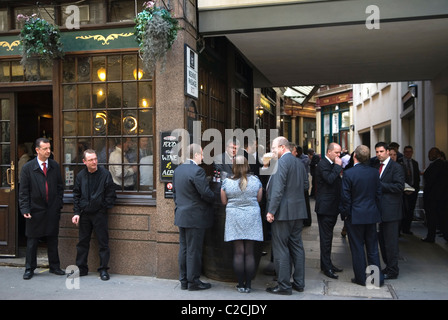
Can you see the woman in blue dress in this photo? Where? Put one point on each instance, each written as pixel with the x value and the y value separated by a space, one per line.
pixel 241 194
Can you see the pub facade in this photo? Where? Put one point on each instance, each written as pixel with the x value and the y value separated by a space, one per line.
pixel 100 96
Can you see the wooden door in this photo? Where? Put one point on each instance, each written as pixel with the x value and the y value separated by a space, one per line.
pixel 8 219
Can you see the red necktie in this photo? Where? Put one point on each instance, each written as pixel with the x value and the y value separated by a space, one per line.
pixel 381 168
pixel 46 183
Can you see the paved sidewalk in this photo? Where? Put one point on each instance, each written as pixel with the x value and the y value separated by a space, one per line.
pixel 423 276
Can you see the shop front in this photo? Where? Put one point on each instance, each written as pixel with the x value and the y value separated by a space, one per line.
pixel 100 96
pixel 335 120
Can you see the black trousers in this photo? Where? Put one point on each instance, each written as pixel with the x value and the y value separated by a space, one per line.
pixel 97 222
pixel 52 251
pixel 388 240
pixel 409 201
pixel 326 226
pixel 191 241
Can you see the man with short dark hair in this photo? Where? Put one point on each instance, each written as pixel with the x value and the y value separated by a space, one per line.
pixel 40 201
pixel 392 186
pixel 410 197
pixel 93 194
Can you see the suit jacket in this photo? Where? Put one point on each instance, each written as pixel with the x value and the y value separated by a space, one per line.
pixel 436 183
pixel 328 189
pixel 32 198
pixel 361 195
pixel 392 186
pixel 223 163
pixel 192 196
pixel 283 200
pixel 415 174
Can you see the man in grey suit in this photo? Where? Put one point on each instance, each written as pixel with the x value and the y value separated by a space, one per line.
pixel 392 185
pixel 286 210
pixel 193 215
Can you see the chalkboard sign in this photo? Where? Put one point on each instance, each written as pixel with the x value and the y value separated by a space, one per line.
pixel 168 158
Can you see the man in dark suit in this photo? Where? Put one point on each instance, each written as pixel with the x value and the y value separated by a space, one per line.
pixel 435 194
pixel 328 175
pixel 223 162
pixel 360 209
pixel 40 201
pixel 193 215
pixel 286 210
pixel 314 160
pixel 410 197
pixel 392 186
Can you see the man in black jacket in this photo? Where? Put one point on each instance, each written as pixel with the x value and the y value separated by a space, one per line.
pixel 40 201
pixel 93 194
pixel 328 176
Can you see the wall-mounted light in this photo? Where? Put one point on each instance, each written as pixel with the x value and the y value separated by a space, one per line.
pixel 101 74
pixel 259 111
pixel 138 74
pixel 413 90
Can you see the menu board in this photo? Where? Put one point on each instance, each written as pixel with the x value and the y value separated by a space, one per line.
pixel 168 159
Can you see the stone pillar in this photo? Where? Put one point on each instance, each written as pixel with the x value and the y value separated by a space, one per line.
pixel 170 104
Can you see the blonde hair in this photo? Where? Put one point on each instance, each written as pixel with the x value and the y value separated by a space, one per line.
pixel 240 168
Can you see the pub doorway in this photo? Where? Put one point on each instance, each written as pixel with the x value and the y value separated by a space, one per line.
pixel 34 120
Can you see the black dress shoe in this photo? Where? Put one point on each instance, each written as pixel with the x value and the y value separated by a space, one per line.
pixel 336 269
pixel 28 274
pixel 427 240
pixel 358 282
pixel 296 287
pixel 183 285
pixel 331 274
pixel 278 290
pixel 390 276
pixel 199 286
pixel 104 275
pixel 58 272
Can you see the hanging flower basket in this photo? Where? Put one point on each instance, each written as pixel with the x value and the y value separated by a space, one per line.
pixel 39 39
pixel 155 32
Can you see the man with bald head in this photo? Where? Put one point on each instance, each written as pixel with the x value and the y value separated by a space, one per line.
pixel 328 175
pixel 286 210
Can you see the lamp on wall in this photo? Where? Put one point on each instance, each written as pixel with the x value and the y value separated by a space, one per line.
pixel 259 111
pixel 413 90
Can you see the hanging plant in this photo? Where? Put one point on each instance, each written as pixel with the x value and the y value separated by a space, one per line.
pixel 155 32
pixel 39 39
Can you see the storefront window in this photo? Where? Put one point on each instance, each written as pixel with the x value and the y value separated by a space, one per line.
pixel 124 10
pixel 90 12
pixel 11 71
pixel 3 20
pixel 106 109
